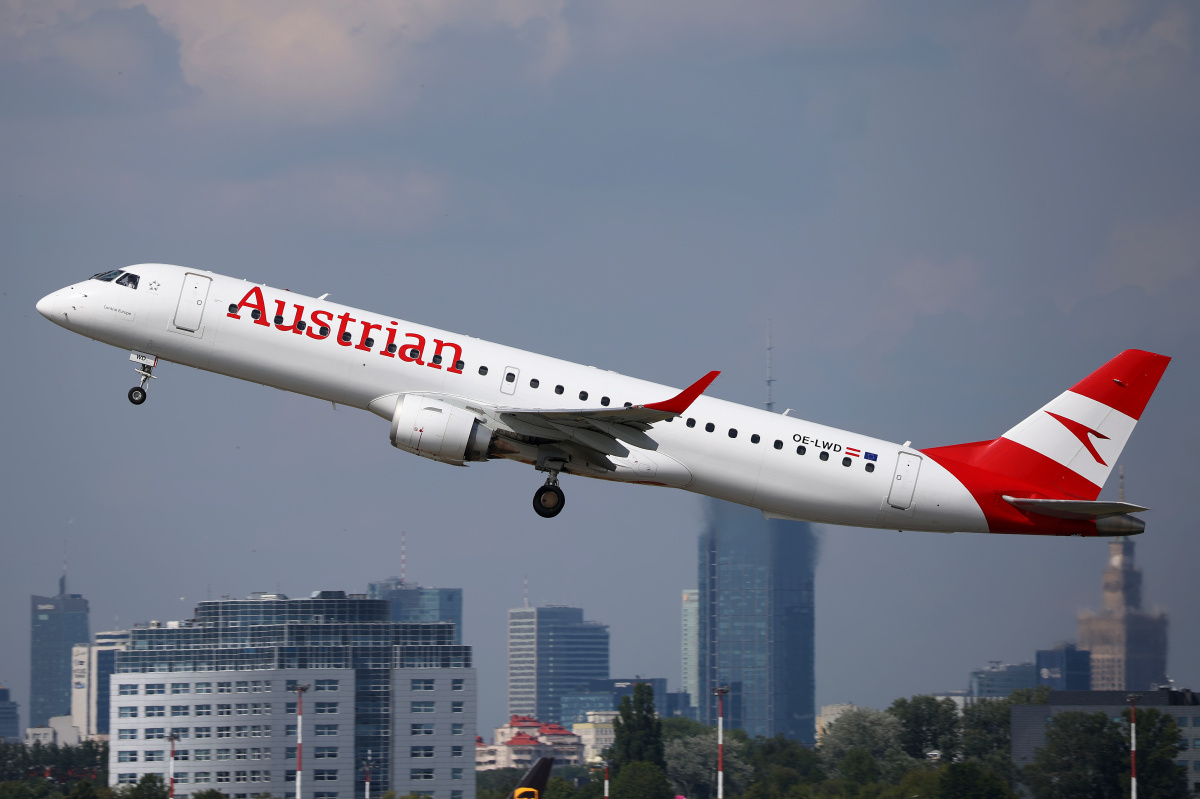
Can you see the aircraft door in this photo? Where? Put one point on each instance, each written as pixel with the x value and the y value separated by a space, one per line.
pixel 905 481
pixel 190 311
pixel 511 373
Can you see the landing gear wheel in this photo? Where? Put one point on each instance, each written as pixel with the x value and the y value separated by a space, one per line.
pixel 548 501
pixel 137 395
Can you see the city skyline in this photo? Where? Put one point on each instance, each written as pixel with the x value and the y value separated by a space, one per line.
pixel 57 623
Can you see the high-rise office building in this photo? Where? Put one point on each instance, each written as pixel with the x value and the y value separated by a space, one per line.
pixel 222 684
pixel 999 680
pixel 57 623
pixel 418 604
pixel 1128 645
pixel 691 645
pixel 757 622
pixel 552 651
pixel 1065 668
pixel 91 667
pixel 10 718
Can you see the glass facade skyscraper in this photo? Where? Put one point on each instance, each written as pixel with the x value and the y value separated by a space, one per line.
pixel 552 652
pixel 57 623
pixel 399 694
pixel 10 718
pixel 415 603
pixel 756 622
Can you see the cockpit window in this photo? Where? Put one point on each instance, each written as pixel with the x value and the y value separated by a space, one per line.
pixel 128 279
pixel 107 277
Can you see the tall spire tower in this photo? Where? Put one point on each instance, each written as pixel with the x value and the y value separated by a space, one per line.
pixel 770 406
pixel 1128 645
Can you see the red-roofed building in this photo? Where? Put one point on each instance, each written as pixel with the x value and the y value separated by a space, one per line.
pixel 523 740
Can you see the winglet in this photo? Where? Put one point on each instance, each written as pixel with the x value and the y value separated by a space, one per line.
pixel 683 400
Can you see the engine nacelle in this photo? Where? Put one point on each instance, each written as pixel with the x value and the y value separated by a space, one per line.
pixel 434 429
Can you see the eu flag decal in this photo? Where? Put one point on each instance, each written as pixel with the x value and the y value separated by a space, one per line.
pixel 871 456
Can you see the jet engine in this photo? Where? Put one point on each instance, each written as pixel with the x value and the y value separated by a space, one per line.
pixel 434 429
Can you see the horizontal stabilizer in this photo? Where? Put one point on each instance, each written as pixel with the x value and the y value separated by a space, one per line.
pixel 1073 508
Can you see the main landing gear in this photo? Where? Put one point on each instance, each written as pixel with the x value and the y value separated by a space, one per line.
pixel 548 500
pixel 145 368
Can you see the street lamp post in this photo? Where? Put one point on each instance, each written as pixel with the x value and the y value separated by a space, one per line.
pixel 720 693
pixel 299 689
pixel 1133 698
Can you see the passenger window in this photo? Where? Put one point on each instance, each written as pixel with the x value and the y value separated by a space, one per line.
pixel 415 353
pixel 233 307
pixel 604 401
pixel 392 348
pixel 558 389
pixel 279 320
pixel 870 467
pixel 846 461
pixel 534 383
pixel 691 423
pixel 630 405
pixel 459 365
pixel 824 454
pixel 483 370
pixel 370 342
pixel 301 325
pixel 754 439
pixel 710 427
pixel 778 444
pixel 732 433
pixel 800 450
pixel 324 331
pixel 437 359
pixel 107 277
pixel 510 377
pixel 346 337
pixel 583 395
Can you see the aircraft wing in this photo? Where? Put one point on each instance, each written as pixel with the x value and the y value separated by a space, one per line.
pixel 598 432
pixel 533 784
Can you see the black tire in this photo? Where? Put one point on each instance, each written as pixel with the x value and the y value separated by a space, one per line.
pixel 548 501
pixel 137 395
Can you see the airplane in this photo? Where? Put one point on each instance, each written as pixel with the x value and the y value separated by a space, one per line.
pixel 460 400
pixel 533 783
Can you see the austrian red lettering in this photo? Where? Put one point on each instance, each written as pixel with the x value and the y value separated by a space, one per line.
pixel 316 323
pixel 279 306
pixel 453 361
pixel 391 342
pixel 367 328
pixel 346 319
pixel 420 348
pixel 259 305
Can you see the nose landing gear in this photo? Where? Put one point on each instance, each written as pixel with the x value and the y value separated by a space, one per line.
pixel 549 499
pixel 145 368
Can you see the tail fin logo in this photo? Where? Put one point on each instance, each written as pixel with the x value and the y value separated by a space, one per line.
pixel 1082 431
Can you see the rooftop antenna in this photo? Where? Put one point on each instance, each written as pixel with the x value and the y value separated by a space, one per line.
pixel 770 377
pixel 527 590
pixel 403 555
pixel 62 581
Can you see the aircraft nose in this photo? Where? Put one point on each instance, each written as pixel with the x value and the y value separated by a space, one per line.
pixel 47 305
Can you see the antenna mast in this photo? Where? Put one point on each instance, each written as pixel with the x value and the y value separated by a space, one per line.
pixel 770 378
pixel 403 557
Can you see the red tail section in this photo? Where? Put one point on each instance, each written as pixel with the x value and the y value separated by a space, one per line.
pixel 1065 450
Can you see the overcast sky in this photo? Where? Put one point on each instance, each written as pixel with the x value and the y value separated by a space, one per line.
pixel 950 212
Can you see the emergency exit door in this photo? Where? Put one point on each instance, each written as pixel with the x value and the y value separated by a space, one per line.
pixel 904 482
pixel 190 311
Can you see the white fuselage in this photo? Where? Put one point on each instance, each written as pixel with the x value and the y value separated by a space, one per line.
pixel 745 466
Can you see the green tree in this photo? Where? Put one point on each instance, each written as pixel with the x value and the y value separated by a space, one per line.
pixel 558 788
pixel 637 730
pixel 675 727
pixel 987 730
pixel 692 764
pixel 873 730
pixel 1159 742
pixel 641 780
pixel 859 767
pixel 83 789
pixel 780 763
pixel 1082 759
pixel 928 724
pixel 970 780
